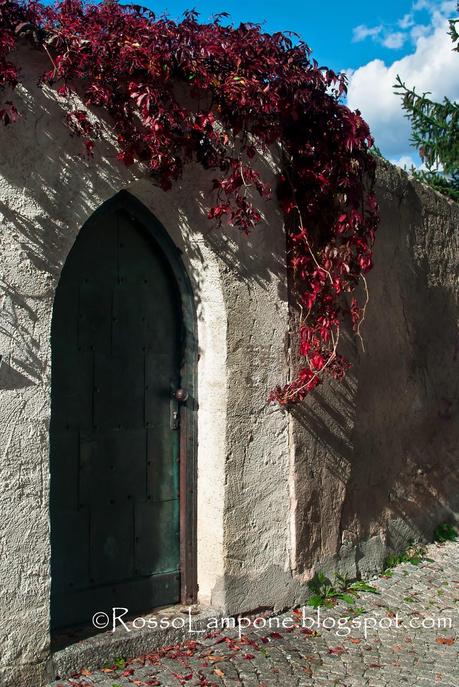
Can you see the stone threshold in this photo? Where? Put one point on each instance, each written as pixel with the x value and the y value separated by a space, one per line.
pixel 88 648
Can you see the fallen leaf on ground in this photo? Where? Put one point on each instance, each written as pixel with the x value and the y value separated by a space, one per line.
pixel 336 650
pixel 445 640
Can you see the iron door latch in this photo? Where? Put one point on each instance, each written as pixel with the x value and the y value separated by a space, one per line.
pixel 177 396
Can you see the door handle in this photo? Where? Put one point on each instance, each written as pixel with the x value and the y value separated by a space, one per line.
pixel 181 395
pixel 177 396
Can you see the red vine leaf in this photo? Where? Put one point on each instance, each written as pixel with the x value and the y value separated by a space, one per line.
pixel 189 92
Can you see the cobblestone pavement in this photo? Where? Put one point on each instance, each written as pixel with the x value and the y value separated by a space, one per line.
pixel 423 651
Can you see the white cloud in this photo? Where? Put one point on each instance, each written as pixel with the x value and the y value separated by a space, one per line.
pixel 421 5
pixel 433 66
pixel 361 32
pixel 406 21
pixel 418 31
pixel 394 36
pixel 406 162
pixel 445 7
pixel 394 40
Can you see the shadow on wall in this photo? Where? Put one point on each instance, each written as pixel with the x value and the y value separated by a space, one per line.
pixel 52 189
pixel 381 446
pixel 17 323
pixel 377 454
pixel 11 378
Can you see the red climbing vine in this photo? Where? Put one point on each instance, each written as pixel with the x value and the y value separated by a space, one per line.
pixel 217 95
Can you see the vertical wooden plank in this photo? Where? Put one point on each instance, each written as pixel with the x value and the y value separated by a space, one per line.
pixel 112 466
pixel 111 543
pixel 157 530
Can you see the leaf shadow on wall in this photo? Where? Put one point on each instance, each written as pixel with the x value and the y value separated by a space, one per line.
pixel 376 455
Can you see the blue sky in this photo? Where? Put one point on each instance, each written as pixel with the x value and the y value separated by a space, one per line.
pixel 328 27
pixel 372 41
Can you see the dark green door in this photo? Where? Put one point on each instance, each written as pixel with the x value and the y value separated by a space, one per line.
pixel 116 351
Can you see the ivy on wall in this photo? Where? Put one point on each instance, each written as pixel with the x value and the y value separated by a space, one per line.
pixel 245 91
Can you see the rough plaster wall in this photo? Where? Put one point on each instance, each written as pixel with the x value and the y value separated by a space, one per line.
pixel 47 191
pixel 377 457
pixel 257 570
pixel 361 450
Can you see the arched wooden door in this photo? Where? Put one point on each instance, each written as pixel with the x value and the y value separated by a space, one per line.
pixel 122 495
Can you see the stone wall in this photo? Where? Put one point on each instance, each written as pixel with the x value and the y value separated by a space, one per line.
pixel 48 189
pixel 376 458
pixel 359 468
